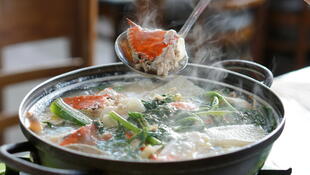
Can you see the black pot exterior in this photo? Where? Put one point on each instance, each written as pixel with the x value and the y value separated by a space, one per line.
pixel 246 161
pixel 237 164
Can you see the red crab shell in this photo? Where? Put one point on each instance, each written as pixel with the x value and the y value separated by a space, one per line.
pixel 147 43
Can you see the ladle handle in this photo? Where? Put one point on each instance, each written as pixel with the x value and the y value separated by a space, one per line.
pixel 12 161
pixel 193 17
pixel 248 68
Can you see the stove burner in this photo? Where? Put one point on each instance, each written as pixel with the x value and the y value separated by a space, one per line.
pixel 275 172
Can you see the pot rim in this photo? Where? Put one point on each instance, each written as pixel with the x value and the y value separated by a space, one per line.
pixel 245 150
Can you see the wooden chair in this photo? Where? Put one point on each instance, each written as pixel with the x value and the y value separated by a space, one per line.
pixel 28 20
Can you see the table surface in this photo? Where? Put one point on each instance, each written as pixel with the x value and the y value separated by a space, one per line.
pixel 292 149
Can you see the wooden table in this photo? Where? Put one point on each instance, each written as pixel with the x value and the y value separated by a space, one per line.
pixel 292 149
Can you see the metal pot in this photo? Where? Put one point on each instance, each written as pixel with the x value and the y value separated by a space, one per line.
pixel 245 161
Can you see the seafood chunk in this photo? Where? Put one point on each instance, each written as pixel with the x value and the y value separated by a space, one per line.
pixel 155 51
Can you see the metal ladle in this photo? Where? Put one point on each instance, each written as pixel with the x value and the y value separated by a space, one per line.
pixel 122 46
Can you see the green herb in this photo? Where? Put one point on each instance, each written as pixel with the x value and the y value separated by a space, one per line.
pixel 124 122
pixel 66 112
pixel 139 118
pixel 150 104
pixel 214 113
pixel 215 102
pixel 188 121
pixel 152 140
pixel 100 127
pixel 120 132
pixel 2 168
pixel 135 115
pixel 130 126
pixel 156 111
pixel 221 100
pixel 191 123
pixel 144 137
pixel 153 104
pixel 49 124
pixel 161 132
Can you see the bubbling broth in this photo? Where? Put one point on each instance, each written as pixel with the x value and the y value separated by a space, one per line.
pixel 142 119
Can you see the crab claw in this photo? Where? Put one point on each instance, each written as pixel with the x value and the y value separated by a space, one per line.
pixel 131 23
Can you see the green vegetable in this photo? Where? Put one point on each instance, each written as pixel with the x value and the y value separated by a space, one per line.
pixel 142 135
pixel 135 115
pixel 130 126
pixel 66 112
pixel 139 118
pixel 188 121
pixel 215 102
pixel 145 136
pixel 2 168
pixel 189 124
pixel 153 104
pixel 100 127
pixel 49 124
pixel 214 113
pixel 221 100
pixel 124 122
pixel 153 140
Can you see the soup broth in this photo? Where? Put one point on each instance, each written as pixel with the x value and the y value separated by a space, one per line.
pixel 152 120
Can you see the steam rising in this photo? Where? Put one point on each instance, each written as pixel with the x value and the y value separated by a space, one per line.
pixel 148 14
pixel 203 42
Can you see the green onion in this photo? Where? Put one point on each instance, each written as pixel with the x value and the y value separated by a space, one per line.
pixel 66 112
pixel 139 117
pixel 215 102
pixel 153 140
pixel 2 168
pixel 189 123
pixel 49 124
pixel 221 99
pixel 135 114
pixel 124 122
pixel 215 113
pixel 130 126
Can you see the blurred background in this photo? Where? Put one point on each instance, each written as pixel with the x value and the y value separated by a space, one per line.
pixel 40 39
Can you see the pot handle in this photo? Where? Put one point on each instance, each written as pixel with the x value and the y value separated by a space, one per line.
pixel 248 68
pixel 6 155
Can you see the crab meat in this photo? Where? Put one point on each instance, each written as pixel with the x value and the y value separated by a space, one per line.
pixel 156 51
pixel 148 43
